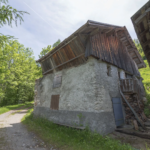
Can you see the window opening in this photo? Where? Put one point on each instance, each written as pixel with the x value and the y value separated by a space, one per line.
pixel 57 81
pixel 108 70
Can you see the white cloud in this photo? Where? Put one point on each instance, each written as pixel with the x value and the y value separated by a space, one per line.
pixel 50 20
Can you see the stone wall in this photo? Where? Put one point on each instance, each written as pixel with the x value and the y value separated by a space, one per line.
pixel 101 122
pixel 86 89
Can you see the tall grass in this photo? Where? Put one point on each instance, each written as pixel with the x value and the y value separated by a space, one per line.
pixel 69 138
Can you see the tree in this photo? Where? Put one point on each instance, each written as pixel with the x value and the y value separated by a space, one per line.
pixel 8 14
pixel 56 43
pixel 18 71
pixel 140 49
pixel 45 50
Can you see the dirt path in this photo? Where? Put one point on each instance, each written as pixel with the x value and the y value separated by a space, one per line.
pixel 134 141
pixel 14 135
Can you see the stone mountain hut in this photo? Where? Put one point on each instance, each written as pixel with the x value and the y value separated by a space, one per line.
pixel 87 77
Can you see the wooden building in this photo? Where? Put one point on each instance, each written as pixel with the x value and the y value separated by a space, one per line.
pixel 85 75
pixel 141 22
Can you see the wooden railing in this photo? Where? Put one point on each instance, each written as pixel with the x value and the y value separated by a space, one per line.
pixel 129 86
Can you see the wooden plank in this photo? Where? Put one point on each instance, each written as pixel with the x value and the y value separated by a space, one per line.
pixel 106 42
pixel 140 18
pixel 95 31
pixel 135 125
pixel 135 133
pixel 54 102
pixel 146 43
pixel 63 64
pixel 51 53
pixel 76 127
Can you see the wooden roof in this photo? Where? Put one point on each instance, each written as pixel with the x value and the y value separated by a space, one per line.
pixel 141 22
pixel 75 45
pixel 110 48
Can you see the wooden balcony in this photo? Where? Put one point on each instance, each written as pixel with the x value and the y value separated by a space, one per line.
pixel 129 86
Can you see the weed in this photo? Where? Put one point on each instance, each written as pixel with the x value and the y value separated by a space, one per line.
pixel 69 138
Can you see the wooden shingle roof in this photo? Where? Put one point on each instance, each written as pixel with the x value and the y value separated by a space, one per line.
pixel 141 22
pixel 75 45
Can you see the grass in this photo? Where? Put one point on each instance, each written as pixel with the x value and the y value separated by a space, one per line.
pixel 145 73
pixel 11 107
pixel 69 138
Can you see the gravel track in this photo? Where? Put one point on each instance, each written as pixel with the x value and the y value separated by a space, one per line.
pixel 15 136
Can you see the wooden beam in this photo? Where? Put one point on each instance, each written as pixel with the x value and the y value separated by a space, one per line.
pixel 134 133
pixel 144 32
pixel 135 114
pixel 146 43
pixel 63 63
pixel 131 50
pixel 50 54
pixel 146 51
pixel 94 32
pixel 110 31
pixel 141 65
pixel 140 18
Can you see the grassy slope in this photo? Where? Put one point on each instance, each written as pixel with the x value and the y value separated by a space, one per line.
pixel 69 138
pixel 11 107
pixel 145 73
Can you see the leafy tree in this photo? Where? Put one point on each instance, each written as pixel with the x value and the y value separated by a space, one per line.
pixel 139 47
pixel 18 71
pixel 8 14
pixel 45 50
pixel 56 43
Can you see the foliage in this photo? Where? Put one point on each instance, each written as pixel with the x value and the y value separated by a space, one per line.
pixel 18 72
pixel 69 138
pixel 139 47
pixel 12 107
pixel 45 50
pixel 145 73
pixel 56 43
pixel 9 14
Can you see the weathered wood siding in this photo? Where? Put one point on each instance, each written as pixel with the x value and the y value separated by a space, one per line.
pixel 142 27
pixel 110 49
pixel 70 55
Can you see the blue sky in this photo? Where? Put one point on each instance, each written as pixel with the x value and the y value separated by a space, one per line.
pixel 50 20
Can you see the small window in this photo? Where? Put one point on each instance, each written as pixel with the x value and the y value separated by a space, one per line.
pixel 128 76
pixel 54 102
pixel 108 70
pixel 57 81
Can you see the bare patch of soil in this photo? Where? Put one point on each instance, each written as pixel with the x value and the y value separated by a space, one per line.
pixel 134 141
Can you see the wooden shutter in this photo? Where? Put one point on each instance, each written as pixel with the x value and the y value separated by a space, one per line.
pixel 54 102
pixel 57 81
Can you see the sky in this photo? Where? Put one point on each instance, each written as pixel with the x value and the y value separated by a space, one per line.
pixel 50 20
